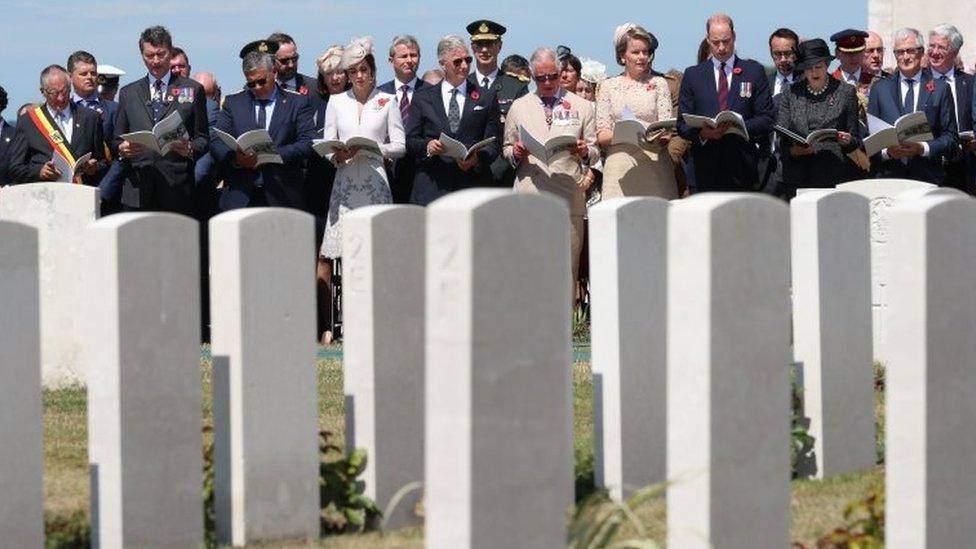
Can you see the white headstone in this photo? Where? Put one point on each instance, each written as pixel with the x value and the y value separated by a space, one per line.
pixel 931 382
pixel 142 340
pixel 266 455
pixel 383 367
pixel 628 280
pixel 499 440
pixel 60 212
pixel 881 194
pixel 728 372
pixel 21 454
pixel 831 266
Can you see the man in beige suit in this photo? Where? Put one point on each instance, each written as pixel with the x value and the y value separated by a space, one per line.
pixel 547 113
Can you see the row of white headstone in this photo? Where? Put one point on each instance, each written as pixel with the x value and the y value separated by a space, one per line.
pixel 691 354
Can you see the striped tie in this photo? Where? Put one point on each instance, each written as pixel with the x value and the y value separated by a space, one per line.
pixel 405 103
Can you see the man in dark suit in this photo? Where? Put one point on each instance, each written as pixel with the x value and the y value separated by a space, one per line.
pixel 944 44
pixel 62 127
pixel 907 91
pixel 874 51
pixel 726 162
pixel 782 49
pixel 288 118
pixel 404 58
pixel 11 141
pixel 151 181
pixel 461 111
pixel 486 43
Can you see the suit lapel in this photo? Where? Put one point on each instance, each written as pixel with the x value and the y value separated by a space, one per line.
pixel 142 93
pixel 924 81
pixel 734 85
pixel 438 99
pixel 282 105
pixel 895 91
pixel 76 131
pixel 469 103
pixel 712 87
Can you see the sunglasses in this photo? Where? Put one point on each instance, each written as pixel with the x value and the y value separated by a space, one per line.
pixel 478 44
pixel 551 77
pixel 462 61
pixel 255 83
pixel 288 60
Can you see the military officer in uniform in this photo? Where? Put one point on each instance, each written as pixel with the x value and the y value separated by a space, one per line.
pixel 108 81
pixel 849 50
pixel 486 44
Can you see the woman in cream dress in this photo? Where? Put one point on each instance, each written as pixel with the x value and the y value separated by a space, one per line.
pixel 631 170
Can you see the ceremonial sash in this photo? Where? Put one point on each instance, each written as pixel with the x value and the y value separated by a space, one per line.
pixel 53 136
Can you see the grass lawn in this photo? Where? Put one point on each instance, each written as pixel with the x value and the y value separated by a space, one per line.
pixel 816 507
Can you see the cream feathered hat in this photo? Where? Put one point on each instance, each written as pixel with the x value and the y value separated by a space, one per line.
pixel 330 60
pixel 620 30
pixel 593 71
pixel 356 51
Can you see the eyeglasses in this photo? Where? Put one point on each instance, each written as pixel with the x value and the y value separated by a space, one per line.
pixel 56 93
pixel 255 83
pixel 938 47
pixel 462 61
pixel 543 78
pixel 287 60
pixel 906 51
pixel 789 54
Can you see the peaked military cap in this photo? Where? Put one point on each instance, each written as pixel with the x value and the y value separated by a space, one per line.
pixel 849 40
pixel 483 29
pixel 263 46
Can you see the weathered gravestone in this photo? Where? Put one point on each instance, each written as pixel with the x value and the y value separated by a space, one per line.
pixel 628 277
pixel 60 212
pixel 831 267
pixel 21 454
pixel 931 382
pixel 142 342
pixel 881 194
pixel 499 441
pixel 383 369
pixel 728 372
pixel 266 455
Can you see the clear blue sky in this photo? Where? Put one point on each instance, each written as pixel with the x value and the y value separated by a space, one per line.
pixel 36 34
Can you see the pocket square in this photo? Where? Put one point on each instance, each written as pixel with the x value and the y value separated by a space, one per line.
pixel 478 108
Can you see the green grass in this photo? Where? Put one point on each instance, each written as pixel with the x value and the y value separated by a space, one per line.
pixel 816 506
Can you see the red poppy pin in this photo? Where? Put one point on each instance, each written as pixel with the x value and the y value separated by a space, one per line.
pixel 475 95
pixel 175 92
pixel 566 105
pixel 930 85
pixel 737 70
pixel 303 90
pixel 651 86
pixel 383 101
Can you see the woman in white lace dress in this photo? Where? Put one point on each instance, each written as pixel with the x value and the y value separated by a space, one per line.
pixel 631 170
pixel 361 111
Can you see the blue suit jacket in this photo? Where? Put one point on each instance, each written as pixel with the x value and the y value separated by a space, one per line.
pixel 292 130
pixel 729 163
pixel 936 103
pixel 434 176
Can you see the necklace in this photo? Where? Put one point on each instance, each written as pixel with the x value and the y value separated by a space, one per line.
pixel 817 93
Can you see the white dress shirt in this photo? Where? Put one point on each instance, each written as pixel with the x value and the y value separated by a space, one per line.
pixel 411 87
pixel 951 82
pixel 852 78
pixel 446 88
pixel 162 89
pixel 481 77
pixel 782 83
pixel 729 65
pixel 66 123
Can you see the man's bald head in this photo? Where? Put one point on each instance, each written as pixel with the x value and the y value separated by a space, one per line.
pixel 873 53
pixel 209 83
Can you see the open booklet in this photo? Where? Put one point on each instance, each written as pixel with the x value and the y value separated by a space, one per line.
pixel 737 125
pixel 166 132
pixel 332 146
pixel 546 151
pixel 629 129
pixel 815 139
pixel 456 150
pixel 967 135
pixel 66 168
pixel 257 142
pixel 911 128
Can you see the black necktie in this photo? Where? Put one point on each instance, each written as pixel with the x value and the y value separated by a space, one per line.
pixel 909 105
pixel 484 82
pixel 157 101
pixel 262 113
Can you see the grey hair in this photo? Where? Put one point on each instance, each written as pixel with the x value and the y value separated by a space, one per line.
pixel 448 44
pixel 905 33
pixel 950 33
pixel 50 71
pixel 404 40
pixel 257 60
pixel 541 54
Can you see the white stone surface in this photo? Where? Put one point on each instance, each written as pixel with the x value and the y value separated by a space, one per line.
pixel 499 440
pixel 142 341
pixel 266 455
pixel 21 455
pixel 60 213
pixel 881 194
pixel 831 267
pixel 931 383
pixel 728 372
pixel 383 366
pixel 628 287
